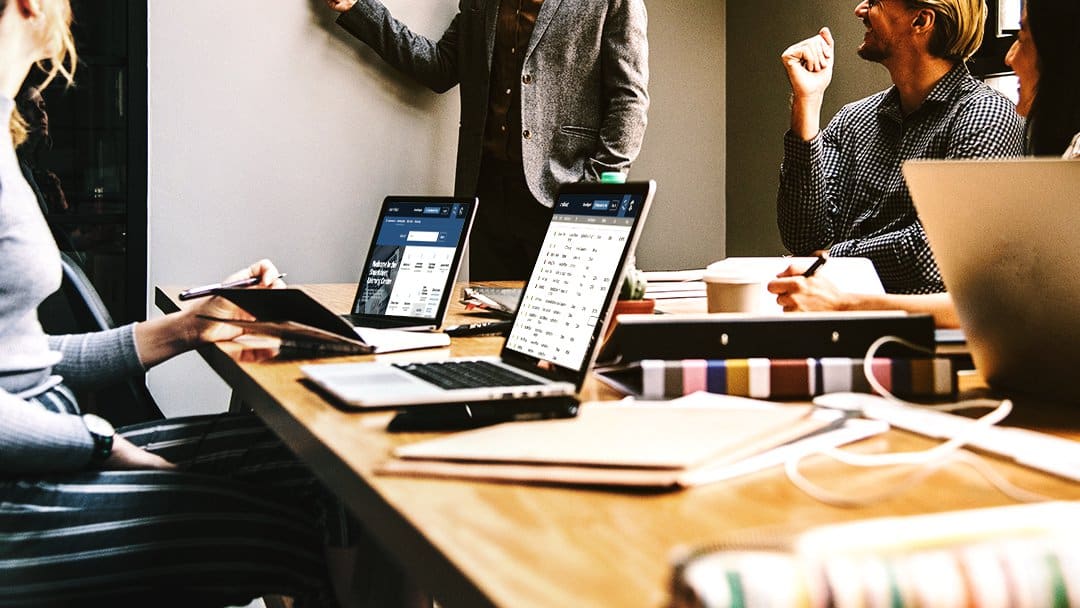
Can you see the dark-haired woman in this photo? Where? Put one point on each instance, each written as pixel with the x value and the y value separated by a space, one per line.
pixel 1044 58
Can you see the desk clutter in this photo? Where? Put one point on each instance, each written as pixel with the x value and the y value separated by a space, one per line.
pixel 779 336
pixel 662 446
pixel 1026 555
pixel 501 301
pixel 760 378
pixel 791 356
pixel 740 284
pixel 674 284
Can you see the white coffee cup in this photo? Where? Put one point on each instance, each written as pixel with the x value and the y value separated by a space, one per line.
pixel 736 290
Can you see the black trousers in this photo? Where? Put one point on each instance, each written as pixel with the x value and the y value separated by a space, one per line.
pixel 510 226
pixel 240 518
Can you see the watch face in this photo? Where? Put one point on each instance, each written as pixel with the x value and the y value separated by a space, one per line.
pixel 98 425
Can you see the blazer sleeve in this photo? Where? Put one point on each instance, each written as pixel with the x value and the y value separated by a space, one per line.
pixel 432 63
pixel 625 57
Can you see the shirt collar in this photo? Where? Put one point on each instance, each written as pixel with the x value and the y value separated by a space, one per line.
pixel 943 92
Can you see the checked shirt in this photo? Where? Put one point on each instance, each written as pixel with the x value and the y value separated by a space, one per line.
pixel 843 190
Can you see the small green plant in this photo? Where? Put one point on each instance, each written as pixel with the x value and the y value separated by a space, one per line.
pixel 633 287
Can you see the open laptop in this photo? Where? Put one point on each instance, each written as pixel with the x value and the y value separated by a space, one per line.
pixel 408 278
pixel 563 311
pixel 1006 236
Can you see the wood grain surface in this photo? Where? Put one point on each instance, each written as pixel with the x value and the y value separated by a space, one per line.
pixel 476 543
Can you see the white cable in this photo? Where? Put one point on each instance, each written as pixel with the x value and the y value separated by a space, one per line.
pixel 926 461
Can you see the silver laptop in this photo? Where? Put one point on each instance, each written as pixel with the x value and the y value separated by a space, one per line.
pixel 562 315
pixel 1006 235
pixel 412 263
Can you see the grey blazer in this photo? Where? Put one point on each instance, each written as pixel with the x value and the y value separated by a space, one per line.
pixel 584 83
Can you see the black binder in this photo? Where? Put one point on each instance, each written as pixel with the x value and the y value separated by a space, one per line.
pixel 739 336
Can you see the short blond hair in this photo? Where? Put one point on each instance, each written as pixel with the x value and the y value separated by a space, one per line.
pixel 958 31
pixel 60 56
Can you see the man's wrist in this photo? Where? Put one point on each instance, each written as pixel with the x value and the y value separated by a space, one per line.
pixel 849 301
pixel 806 115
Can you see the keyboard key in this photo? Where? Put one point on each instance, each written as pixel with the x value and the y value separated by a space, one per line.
pixel 466 374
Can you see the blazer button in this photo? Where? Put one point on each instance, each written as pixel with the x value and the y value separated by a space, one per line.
pixel 527 134
pixel 527 79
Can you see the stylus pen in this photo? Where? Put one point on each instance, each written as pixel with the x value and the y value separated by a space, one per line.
pixel 206 290
pixel 818 263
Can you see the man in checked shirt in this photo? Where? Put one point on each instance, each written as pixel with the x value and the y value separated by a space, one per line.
pixel 841 188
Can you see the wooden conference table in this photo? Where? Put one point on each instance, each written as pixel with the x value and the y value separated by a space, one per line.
pixel 480 544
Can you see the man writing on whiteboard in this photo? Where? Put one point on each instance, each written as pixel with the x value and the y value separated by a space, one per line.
pixel 552 92
pixel 841 188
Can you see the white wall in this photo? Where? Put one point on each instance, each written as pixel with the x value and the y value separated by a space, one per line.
pixel 685 146
pixel 273 133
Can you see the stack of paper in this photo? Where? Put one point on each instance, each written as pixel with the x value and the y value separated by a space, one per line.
pixel 656 444
pixel 671 290
pixel 671 284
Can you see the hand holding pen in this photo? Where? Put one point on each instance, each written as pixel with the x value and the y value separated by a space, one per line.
pixel 257 274
pixel 163 337
pixel 200 315
pixel 801 290
pixel 818 263
pixel 209 290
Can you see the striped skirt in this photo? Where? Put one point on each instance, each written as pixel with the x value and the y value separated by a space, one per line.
pixel 239 519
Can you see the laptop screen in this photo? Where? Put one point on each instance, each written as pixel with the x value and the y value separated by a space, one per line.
pixel 577 275
pixel 413 260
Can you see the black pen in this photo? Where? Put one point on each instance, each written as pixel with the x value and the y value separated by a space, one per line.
pixel 207 290
pixel 479 329
pixel 818 263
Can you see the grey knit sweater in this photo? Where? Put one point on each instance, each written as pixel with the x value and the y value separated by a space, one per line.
pixel 31 438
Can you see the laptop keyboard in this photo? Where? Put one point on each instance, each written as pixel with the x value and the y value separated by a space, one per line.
pixel 465 374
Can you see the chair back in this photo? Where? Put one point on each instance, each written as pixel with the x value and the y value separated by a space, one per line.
pixel 87 307
pixel 78 308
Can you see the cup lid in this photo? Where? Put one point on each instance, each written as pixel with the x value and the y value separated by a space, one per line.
pixel 730 271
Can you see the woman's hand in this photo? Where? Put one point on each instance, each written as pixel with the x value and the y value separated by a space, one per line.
pixel 203 331
pixel 127 456
pixel 164 337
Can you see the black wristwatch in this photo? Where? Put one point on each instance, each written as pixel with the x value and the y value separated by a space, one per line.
pixel 102 432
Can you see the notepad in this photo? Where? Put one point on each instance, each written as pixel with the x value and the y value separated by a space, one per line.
pixel 656 445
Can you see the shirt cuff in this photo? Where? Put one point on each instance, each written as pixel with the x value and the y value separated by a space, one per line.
pixel 131 349
pixel 799 150
pixel 844 249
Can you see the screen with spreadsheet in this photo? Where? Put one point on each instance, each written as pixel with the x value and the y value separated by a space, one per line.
pixel 577 270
